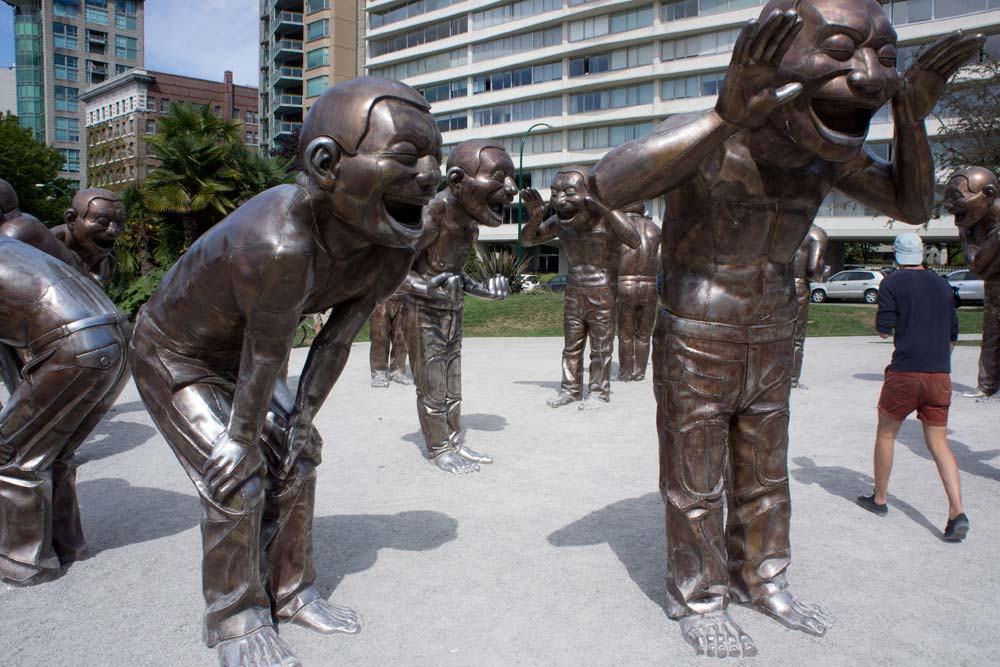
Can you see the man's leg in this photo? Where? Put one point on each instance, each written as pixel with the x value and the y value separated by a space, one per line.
pixel 757 531
pixel 575 338
pixel 378 357
pixel 936 438
pixel 989 351
pixel 600 319
pixel 885 441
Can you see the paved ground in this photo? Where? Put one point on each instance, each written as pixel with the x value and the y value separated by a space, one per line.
pixel 552 556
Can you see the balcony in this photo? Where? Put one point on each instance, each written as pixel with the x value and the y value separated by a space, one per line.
pixel 286 104
pixel 285 129
pixel 286 76
pixel 288 22
pixel 287 49
pixel 287 4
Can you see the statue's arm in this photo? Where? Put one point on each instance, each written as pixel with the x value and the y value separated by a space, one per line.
pixel 817 252
pixel 538 229
pixel 984 259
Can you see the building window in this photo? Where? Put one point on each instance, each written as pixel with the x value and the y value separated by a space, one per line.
pixel 692 86
pixel 150 126
pixel 316 5
pixel 682 9
pixel 596 26
pixel 425 65
pixel 445 91
pixel 607 137
pixel 65 36
pixel 66 98
pixel 522 76
pixel 318 57
pixel 236 114
pixel 512 11
pixel 66 7
pixel 633 56
pixel 316 86
pixel 248 138
pixel 318 29
pixel 512 113
pixel 382 17
pixel 548 142
pixel 121 69
pixel 96 11
pixel 126 14
pixel 126 48
pixel 614 98
pixel 150 103
pixel 71 159
pixel 67 129
pixel 707 43
pixel 164 104
pixel 96 71
pixel 453 121
pixel 249 117
pixel 508 46
pixel 66 67
pixel 418 36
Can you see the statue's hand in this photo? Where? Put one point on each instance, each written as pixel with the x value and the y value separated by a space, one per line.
pixel 924 81
pixel 230 464
pixel 533 202
pixel 296 439
pixel 748 94
pixel 497 287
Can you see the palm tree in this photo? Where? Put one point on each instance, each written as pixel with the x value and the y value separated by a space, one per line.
pixel 256 172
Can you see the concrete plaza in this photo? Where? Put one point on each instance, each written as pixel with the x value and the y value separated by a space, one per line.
pixel 554 555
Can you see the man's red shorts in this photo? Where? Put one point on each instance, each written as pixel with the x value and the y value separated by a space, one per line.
pixel 927 393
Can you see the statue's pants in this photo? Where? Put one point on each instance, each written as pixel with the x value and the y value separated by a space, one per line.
pixel 257 542
pixel 434 340
pixel 989 352
pixel 68 386
pixel 589 313
pixel 801 323
pixel 388 331
pixel 636 312
pixel 722 417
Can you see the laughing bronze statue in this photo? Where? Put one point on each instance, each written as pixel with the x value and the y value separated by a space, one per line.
pixel 971 196
pixel 210 342
pixel 742 184
pixel 809 266
pixel 592 237
pixel 387 357
pixel 637 297
pixel 75 342
pixel 480 184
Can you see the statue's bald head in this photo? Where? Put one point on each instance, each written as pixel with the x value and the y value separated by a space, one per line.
pixel 82 199
pixel 8 198
pixel 978 178
pixel 466 155
pixel 343 112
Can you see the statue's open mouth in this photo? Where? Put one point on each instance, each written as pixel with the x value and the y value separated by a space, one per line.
pixel 566 214
pixel 404 210
pixel 840 117
pixel 104 243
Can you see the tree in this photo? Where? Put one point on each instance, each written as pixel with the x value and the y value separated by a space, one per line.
pixel 969 113
pixel 32 169
pixel 287 148
pixel 255 172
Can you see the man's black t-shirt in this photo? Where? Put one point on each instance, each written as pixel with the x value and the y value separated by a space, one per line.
pixel 920 307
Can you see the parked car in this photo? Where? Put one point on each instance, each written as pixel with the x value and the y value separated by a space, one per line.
pixel 557 284
pixel 967 285
pixel 529 283
pixel 861 285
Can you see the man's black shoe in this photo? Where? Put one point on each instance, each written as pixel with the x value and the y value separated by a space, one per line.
pixel 868 502
pixel 957 528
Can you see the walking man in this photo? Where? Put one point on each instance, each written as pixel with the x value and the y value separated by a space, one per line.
pixel 917 308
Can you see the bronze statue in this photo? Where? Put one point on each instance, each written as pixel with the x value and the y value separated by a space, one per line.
pixel 592 237
pixel 808 265
pixel 971 196
pixel 742 184
pixel 209 344
pixel 76 344
pixel 480 183
pixel 387 358
pixel 637 297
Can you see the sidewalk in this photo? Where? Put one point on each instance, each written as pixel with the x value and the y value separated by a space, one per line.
pixel 554 555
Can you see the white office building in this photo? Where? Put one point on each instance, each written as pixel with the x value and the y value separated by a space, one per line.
pixel 599 73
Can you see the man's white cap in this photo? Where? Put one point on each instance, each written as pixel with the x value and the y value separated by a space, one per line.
pixel 909 249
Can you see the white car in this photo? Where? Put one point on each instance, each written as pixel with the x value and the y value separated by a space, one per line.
pixel 967 285
pixel 529 282
pixel 853 284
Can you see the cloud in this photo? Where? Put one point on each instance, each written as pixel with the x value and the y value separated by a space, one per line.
pixel 203 38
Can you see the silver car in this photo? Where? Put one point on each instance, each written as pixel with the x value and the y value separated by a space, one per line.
pixel 967 285
pixel 853 284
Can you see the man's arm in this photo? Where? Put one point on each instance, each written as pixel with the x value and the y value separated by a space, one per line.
pixel 885 320
pixel 904 188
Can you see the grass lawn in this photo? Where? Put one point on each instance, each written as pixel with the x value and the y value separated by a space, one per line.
pixel 541 315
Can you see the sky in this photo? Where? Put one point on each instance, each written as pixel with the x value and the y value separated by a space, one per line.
pixel 199 38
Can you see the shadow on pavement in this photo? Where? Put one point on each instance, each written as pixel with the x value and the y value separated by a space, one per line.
pixel 849 484
pixel 547 384
pixel 346 544
pixel 634 530
pixel 484 422
pixel 113 437
pixel 125 408
pixel 117 514
pixel 970 461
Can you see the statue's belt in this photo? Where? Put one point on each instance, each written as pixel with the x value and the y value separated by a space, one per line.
pixel 728 333
pixel 47 339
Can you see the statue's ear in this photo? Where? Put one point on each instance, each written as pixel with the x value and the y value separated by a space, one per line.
pixel 322 161
pixel 69 217
pixel 990 191
pixel 455 177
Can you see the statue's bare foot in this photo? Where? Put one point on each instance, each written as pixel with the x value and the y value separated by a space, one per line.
pixel 400 378
pixel 473 455
pixel 455 463
pixel 561 399
pixel 325 618
pixel 261 648
pixel 793 614
pixel 717 636
pixel 380 380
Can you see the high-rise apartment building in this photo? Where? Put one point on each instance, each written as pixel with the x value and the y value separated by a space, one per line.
pixel 63 47
pixel 598 73
pixel 122 109
pixel 306 46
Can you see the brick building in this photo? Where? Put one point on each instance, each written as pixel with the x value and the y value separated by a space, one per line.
pixel 123 109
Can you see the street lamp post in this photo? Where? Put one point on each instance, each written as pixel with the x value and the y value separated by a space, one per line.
pixel 520 185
